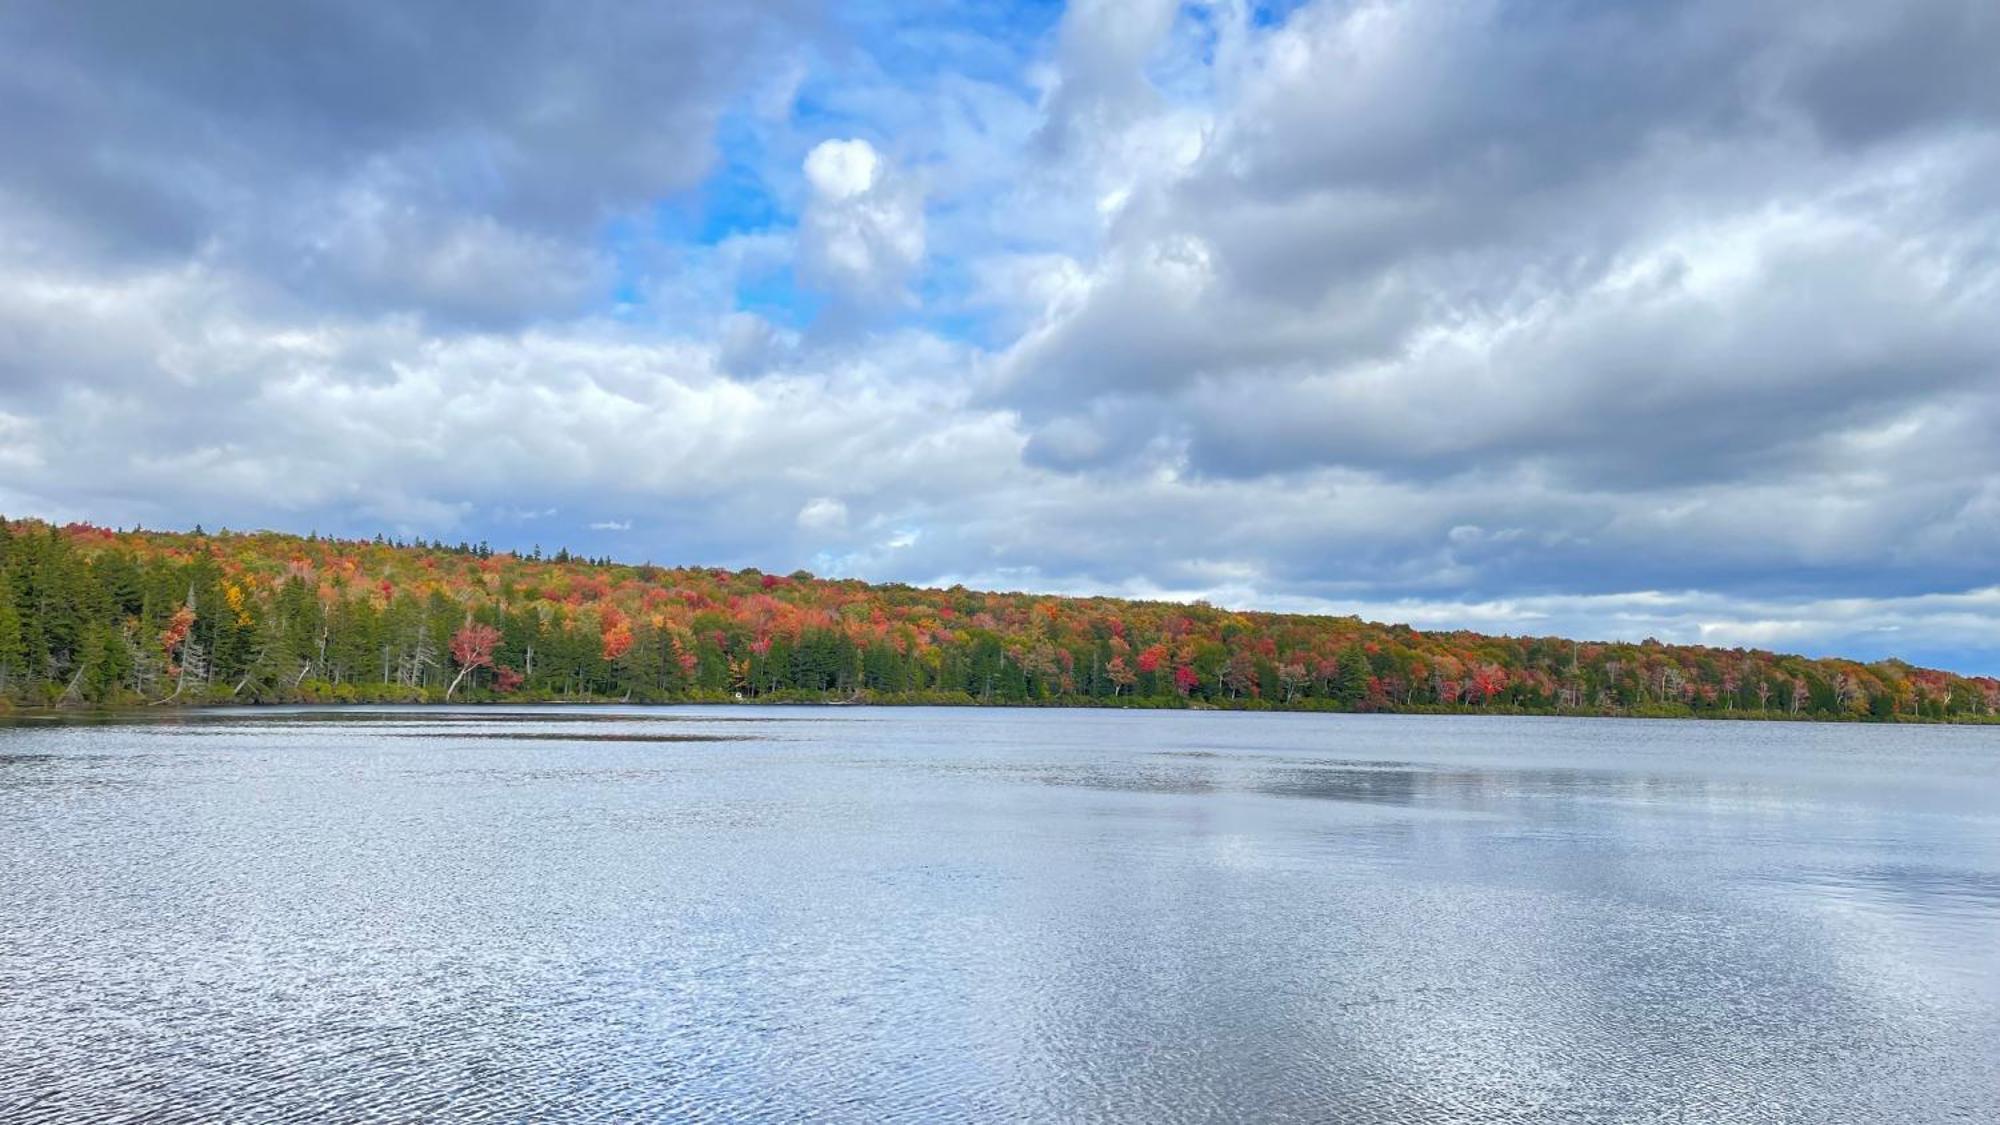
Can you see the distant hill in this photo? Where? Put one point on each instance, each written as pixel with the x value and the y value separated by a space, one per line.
pixel 95 617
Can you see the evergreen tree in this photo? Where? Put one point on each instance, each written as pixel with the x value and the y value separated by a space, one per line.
pixel 1351 682
pixel 87 615
pixel 13 653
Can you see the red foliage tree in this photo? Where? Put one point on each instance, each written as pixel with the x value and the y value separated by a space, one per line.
pixel 472 647
pixel 1488 681
pixel 617 641
pixel 615 633
pixel 1121 674
pixel 1133 647
pixel 175 633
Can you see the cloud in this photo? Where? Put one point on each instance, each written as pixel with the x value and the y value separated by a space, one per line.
pixel 1100 83
pixel 823 513
pixel 1711 356
pixel 611 525
pixel 410 160
pixel 748 344
pixel 1390 173
pixel 841 170
pixel 862 234
pixel 190 402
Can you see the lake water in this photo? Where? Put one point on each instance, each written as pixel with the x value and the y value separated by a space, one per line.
pixel 863 914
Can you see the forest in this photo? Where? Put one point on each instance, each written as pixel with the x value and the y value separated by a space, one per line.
pixel 96 617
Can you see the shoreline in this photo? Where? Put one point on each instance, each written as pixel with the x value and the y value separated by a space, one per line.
pixel 181 707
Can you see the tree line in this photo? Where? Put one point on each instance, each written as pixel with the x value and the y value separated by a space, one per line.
pixel 91 616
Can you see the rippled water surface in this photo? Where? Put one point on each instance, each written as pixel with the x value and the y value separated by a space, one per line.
pixel 953 915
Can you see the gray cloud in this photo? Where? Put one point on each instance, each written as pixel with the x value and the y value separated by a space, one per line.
pixel 407 157
pixel 1733 354
pixel 1645 263
pixel 1869 73
pixel 1387 169
pixel 1100 84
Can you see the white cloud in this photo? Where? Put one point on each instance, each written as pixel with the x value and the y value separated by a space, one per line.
pixel 823 513
pixel 862 235
pixel 841 170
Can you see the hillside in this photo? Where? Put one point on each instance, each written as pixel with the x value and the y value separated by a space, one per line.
pixel 95 617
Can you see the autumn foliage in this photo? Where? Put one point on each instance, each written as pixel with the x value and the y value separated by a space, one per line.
pixel 317 618
pixel 175 634
pixel 472 646
pixel 615 631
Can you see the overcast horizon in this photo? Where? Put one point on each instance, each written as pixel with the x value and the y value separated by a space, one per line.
pixel 1659 319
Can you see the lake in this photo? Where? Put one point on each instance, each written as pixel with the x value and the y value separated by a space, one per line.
pixel 870 914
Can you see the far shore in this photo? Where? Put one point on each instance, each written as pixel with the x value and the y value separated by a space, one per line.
pixel 126 710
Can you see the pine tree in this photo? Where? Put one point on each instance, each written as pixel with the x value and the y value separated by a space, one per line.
pixel 104 662
pixel 1351 682
pixel 13 653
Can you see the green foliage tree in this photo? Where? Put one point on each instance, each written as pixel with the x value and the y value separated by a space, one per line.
pixel 13 651
pixel 85 617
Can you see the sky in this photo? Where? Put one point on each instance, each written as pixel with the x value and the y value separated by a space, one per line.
pixel 1609 320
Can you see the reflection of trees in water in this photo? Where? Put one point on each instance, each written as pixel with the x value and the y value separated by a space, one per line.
pixel 1487 789
pixel 1396 783
pixel 1190 780
pixel 1374 786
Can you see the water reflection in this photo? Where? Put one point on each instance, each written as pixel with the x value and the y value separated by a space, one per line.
pixel 923 915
